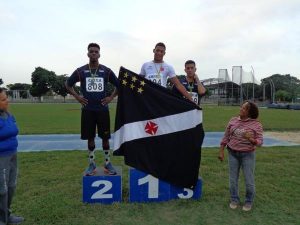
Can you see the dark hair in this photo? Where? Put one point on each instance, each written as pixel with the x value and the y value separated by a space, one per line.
pixel 190 62
pixel 252 110
pixel 93 45
pixel 2 89
pixel 161 45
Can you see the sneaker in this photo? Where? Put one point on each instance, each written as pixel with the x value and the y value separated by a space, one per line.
pixel 91 170
pixel 12 219
pixel 233 205
pixel 109 169
pixel 247 207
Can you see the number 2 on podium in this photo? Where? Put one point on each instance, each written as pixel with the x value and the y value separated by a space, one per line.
pixel 100 194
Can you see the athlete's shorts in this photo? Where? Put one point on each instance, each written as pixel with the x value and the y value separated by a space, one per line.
pixel 92 119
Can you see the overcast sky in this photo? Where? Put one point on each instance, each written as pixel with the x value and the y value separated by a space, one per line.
pixel 216 34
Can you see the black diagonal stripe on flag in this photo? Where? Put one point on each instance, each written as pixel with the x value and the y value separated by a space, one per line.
pixel 158 132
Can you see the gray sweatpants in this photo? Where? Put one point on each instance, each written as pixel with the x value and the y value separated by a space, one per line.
pixel 8 182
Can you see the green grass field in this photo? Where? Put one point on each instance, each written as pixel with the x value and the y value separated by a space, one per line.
pixel 50 190
pixel 65 118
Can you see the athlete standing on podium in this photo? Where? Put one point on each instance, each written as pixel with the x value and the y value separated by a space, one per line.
pixel 191 82
pixel 93 78
pixel 158 71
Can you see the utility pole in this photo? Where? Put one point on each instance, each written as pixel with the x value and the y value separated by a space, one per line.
pixel 241 84
pixel 252 71
pixel 272 86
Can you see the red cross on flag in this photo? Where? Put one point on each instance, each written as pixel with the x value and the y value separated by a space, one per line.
pixel 151 128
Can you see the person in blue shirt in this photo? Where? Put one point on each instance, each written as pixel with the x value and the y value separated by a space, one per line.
pixel 191 82
pixel 93 78
pixel 8 161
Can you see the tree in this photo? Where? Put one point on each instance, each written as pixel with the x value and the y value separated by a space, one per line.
pixel 282 95
pixel 285 82
pixel 42 81
pixel 1 81
pixel 21 87
pixel 59 86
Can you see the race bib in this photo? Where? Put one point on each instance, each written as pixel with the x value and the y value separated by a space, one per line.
pixel 155 79
pixel 194 96
pixel 94 84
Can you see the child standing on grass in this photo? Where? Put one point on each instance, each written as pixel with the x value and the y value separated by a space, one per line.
pixel 8 161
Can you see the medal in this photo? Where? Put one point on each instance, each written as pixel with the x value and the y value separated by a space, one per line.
pixel 191 86
pixel 93 75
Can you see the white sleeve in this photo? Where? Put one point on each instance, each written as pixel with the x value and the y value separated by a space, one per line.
pixel 143 71
pixel 171 72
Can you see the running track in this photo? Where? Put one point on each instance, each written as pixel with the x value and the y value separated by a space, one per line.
pixel 50 142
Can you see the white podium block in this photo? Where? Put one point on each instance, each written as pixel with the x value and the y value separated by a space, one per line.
pixel 186 193
pixel 102 188
pixel 144 187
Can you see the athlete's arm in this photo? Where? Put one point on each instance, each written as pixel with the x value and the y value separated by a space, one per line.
pixel 114 80
pixel 181 88
pixel 200 87
pixel 143 71
pixel 80 99
pixel 108 99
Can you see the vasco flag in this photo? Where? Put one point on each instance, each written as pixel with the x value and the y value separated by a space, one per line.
pixel 157 132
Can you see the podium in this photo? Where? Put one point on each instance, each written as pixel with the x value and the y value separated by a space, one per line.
pixel 102 188
pixel 186 193
pixel 144 187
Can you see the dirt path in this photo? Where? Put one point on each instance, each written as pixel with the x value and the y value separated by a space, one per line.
pixel 285 136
